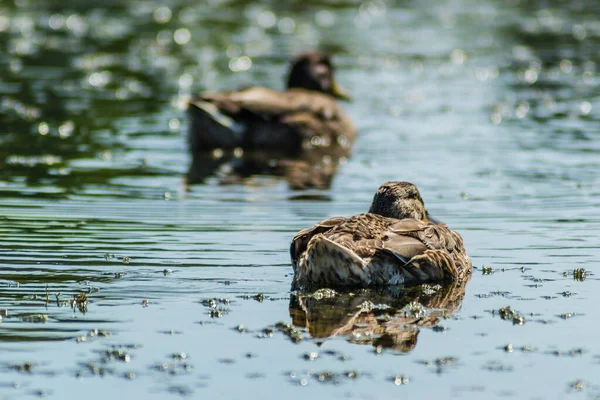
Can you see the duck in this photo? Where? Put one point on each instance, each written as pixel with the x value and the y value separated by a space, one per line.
pixel 395 243
pixel 305 116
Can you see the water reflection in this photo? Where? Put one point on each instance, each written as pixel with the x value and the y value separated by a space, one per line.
pixel 310 169
pixel 64 86
pixel 554 64
pixel 390 318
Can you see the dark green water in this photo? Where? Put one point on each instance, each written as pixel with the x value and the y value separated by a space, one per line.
pixel 491 108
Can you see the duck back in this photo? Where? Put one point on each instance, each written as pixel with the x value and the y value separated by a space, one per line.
pixel 372 250
pixel 260 118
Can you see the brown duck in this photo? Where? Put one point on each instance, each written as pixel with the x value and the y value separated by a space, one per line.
pixel 304 116
pixel 396 242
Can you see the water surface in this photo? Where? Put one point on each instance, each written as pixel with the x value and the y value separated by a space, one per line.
pixel 490 108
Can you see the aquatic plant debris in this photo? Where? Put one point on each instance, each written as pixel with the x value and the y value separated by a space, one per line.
pixel 213 302
pixel 93 333
pixel 325 376
pixel 80 301
pixel 26 367
pixel 439 365
pixel 35 318
pixel 577 385
pixel 108 363
pixel 496 366
pixel 509 348
pixel 580 274
pixel 176 365
pixel 400 380
pixel 508 314
pixel 116 354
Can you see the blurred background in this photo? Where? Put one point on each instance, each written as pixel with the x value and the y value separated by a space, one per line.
pixel 91 93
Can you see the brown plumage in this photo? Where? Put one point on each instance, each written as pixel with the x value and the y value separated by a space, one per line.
pixel 394 243
pixel 304 116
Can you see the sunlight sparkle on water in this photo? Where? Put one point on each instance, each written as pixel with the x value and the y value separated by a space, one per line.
pixel 43 128
pixel 56 21
pixel 4 22
pixel 579 32
pixel 77 25
pixel 174 124
pixel 585 107
pixel 182 36
pixel 522 110
pixel 286 25
pixel 530 75
pixel 325 18
pixel 243 63
pixel 458 56
pixel 66 129
pixel 566 66
pixel 185 81
pixel 267 19
pixel 162 15
pixel 99 79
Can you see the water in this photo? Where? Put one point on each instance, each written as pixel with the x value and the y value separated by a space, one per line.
pixel 490 108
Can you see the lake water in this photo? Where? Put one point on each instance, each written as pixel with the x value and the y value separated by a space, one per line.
pixel 492 108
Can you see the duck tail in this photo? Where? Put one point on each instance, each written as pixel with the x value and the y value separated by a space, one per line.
pixel 331 263
pixel 210 129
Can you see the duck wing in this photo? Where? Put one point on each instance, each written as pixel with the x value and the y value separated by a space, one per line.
pixel 370 249
pixel 443 253
pixel 352 253
pixel 268 102
pixel 301 239
pixel 249 118
pixel 308 112
pixel 434 236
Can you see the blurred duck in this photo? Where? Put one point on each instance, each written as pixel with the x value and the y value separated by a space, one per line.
pixel 304 116
pixel 396 242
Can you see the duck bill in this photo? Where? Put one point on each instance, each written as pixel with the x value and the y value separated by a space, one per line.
pixel 429 218
pixel 338 92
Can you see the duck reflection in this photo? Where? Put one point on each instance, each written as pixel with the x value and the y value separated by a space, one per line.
pixel 309 169
pixel 389 317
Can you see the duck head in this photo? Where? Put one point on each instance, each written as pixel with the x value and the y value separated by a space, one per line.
pixel 399 200
pixel 315 71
